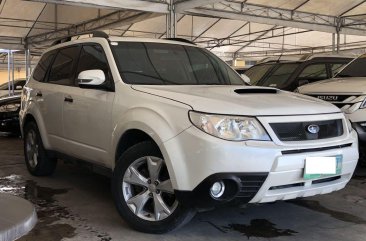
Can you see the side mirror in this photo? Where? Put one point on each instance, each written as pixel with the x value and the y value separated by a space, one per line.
pixel 303 82
pixel 91 78
pixel 245 78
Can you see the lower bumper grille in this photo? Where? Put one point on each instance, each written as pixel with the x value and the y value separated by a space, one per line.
pixel 250 185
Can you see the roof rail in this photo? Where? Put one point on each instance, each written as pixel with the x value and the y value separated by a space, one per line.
pixel 95 34
pixel 183 40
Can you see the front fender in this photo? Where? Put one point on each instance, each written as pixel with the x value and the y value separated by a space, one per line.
pixel 161 126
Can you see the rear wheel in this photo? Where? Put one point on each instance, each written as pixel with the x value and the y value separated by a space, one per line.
pixel 143 191
pixel 36 158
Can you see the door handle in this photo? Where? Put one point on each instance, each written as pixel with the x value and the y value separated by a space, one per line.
pixel 69 99
pixel 39 94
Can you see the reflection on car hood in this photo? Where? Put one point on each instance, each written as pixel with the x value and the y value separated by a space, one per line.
pixel 241 100
pixel 348 85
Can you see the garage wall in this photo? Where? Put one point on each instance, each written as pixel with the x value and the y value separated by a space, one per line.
pixel 4 75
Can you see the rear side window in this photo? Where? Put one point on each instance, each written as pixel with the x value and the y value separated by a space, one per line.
pixel 256 73
pixel 314 72
pixel 335 68
pixel 63 68
pixel 41 69
pixel 280 76
pixel 92 57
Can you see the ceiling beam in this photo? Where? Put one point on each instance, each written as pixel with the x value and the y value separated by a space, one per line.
pixel 181 6
pixel 277 16
pixel 255 39
pixel 139 5
pixel 112 20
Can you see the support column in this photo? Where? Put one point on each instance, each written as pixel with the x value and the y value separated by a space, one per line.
pixel 338 29
pixel 27 62
pixel 171 21
pixel 12 72
pixel 9 71
pixel 333 43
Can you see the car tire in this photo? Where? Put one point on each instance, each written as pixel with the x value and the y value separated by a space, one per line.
pixel 146 207
pixel 38 162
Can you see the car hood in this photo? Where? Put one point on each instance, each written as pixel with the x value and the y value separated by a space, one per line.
pixel 349 85
pixel 241 100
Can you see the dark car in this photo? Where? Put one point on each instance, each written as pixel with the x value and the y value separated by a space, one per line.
pixel 290 74
pixel 18 86
pixel 9 115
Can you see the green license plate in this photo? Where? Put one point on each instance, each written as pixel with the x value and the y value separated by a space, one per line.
pixel 339 159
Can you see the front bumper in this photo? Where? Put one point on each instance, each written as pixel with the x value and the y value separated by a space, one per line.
pixel 194 158
pixel 10 125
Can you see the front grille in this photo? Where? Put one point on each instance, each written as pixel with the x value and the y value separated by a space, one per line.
pixel 299 131
pixel 250 185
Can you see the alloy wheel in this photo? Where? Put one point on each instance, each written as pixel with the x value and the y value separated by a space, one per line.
pixel 147 189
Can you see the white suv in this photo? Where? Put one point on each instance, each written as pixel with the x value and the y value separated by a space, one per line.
pixel 347 90
pixel 178 129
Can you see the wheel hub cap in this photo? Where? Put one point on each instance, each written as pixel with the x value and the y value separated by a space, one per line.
pixel 147 189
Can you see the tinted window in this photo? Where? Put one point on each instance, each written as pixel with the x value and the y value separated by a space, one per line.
pixel 92 57
pixel 257 72
pixel 280 76
pixel 171 64
pixel 335 68
pixel 356 68
pixel 314 72
pixel 62 70
pixel 41 69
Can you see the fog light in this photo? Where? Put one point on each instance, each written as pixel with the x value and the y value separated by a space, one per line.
pixel 217 189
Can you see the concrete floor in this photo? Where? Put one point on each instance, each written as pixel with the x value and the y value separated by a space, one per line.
pixel 75 204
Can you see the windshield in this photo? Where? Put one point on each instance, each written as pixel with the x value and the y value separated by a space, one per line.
pixel 280 76
pixel 357 68
pixel 171 64
pixel 257 72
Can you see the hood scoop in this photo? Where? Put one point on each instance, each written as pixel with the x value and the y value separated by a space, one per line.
pixel 256 91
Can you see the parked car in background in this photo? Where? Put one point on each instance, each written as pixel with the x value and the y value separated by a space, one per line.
pixel 287 74
pixel 347 90
pixel 9 115
pixel 18 86
pixel 241 69
pixel 178 129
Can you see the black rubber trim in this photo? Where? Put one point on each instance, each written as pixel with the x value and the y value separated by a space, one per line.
pixel 296 151
pixel 240 188
pixel 360 131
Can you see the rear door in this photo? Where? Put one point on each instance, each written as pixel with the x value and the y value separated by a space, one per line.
pixel 48 102
pixel 87 113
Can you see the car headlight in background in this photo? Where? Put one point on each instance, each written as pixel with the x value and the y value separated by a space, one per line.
pixel 232 128
pixel 9 107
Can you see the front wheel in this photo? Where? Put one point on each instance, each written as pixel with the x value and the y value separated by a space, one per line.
pixel 143 191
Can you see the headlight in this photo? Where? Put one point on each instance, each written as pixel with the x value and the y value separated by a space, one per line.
pixel 232 128
pixel 9 108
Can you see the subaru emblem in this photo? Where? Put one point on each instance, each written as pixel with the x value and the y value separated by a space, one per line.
pixel 313 129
